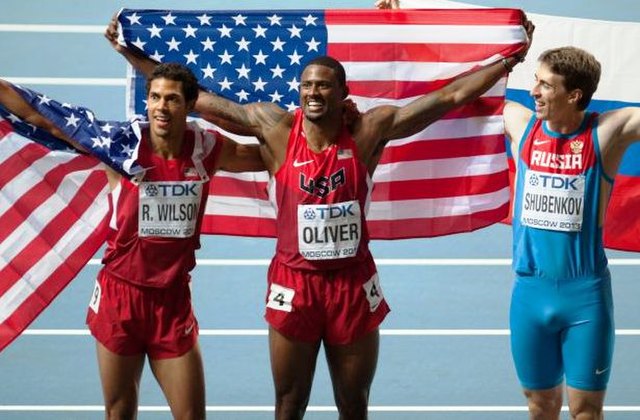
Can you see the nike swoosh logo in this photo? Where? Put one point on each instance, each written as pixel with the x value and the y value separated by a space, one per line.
pixel 297 164
pixel 540 142
pixel 601 371
pixel 188 330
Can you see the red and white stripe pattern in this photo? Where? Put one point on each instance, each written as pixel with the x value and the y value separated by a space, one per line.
pixel 450 178
pixel 53 211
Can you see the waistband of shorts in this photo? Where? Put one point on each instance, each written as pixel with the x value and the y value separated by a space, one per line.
pixel 176 282
pixel 606 276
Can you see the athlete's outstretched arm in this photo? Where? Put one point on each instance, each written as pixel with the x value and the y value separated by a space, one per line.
pixel 516 117
pixel 617 130
pixel 398 122
pixel 626 125
pixel 238 157
pixel 16 104
pixel 247 120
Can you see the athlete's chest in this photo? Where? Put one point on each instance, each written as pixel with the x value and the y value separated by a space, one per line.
pixel 554 182
pixel 552 154
pixel 332 174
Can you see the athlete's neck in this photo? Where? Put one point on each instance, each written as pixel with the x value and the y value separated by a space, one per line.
pixel 321 136
pixel 567 123
pixel 167 148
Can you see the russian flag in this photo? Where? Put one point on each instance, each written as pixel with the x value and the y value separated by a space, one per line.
pixel 614 44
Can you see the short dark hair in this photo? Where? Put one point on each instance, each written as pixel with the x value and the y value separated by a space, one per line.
pixel 579 68
pixel 333 64
pixel 178 73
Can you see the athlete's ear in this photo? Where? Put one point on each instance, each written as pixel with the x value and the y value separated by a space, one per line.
pixel 191 105
pixel 346 92
pixel 575 96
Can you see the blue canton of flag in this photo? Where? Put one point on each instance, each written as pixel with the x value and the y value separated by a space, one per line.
pixel 34 133
pixel 113 142
pixel 251 56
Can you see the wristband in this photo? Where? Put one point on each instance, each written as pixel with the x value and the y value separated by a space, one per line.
pixel 506 65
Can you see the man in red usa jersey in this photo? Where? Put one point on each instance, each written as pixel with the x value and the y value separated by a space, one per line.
pixel 323 286
pixel 566 159
pixel 141 305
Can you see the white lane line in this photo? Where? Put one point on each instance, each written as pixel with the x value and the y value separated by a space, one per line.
pixel 61 29
pixel 68 81
pixel 462 332
pixel 394 261
pixel 316 408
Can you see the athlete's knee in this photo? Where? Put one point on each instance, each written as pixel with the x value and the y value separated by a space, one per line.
pixel 352 405
pixel 291 405
pixel 586 410
pixel 586 405
pixel 544 405
pixel 120 410
pixel 195 413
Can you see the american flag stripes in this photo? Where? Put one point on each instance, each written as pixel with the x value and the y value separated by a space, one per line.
pixel 53 212
pixel 452 177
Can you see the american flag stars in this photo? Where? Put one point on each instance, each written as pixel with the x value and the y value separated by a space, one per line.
pixel 113 142
pixel 246 57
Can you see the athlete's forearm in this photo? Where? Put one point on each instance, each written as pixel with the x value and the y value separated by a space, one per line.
pixel 18 106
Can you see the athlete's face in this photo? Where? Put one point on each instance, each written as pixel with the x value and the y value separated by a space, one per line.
pixel 552 100
pixel 321 95
pixel 167 109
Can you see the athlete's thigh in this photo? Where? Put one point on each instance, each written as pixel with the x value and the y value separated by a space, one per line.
pixel 119 375
pixel 293 364
pixel 588 344
pixel 535 341
pixel 182 382
pixel 353 366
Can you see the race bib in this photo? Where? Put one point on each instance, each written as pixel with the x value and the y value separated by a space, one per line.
pixel 373 291
pixel 94 302
pixel 280 298
pixel 168 209
pixel 329 231
pixel 553 201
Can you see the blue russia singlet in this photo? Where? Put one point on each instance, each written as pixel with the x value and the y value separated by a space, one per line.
pixel 556 232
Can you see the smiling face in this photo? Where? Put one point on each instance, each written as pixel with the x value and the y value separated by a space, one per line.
pixel 167 109
pixel 321 94
pixel 552 99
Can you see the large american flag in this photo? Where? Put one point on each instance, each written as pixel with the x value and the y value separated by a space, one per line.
pixel 452 177
pixel 53 211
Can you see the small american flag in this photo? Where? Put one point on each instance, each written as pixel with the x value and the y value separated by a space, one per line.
pixel 452 177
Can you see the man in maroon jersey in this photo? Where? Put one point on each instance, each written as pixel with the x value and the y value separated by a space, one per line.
pixel 141 305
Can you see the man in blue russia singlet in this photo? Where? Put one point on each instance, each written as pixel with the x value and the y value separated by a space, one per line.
pixel 561 316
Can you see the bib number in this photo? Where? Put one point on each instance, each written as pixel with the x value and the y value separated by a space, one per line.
pixel 373 291
pixel 329 231
pixel 280 298
pixel 169 209
pixel 94 302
